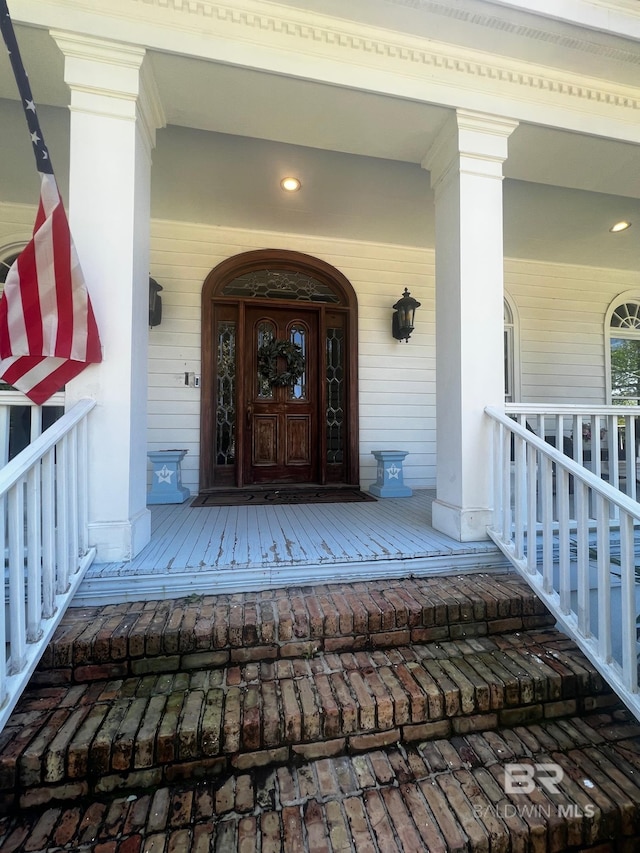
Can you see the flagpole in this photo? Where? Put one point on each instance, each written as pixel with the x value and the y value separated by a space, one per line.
pixel 43 161
pixel 48 333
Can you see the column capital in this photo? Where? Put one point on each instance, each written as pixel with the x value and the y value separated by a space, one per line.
pixel 112 79
pixel 469 142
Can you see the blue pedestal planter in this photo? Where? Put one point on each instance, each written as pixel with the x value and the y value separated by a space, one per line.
pixel 166 479
pixel 390 483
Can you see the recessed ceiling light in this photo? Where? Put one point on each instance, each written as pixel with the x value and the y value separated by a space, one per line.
pixel 290 185
pixel 620 226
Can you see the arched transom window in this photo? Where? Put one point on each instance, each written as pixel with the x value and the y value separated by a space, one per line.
pixel 624 351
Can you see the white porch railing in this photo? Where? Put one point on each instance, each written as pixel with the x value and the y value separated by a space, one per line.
pixel 605 439
pixel 21 421
pixel 569 532
pixel 43 535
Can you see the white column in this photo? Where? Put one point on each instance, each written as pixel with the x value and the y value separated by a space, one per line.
pixel 466 173
pixel 114 115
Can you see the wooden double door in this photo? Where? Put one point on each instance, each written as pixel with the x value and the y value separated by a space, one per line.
pixel 257 427
pixel 281 422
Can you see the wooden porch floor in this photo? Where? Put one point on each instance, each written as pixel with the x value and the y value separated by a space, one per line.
pixel 233 549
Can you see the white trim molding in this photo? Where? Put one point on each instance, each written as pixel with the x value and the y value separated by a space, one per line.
pixel 266 36
pixel 97 590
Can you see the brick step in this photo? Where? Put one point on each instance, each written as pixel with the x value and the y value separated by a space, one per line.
pixel 438 796
pixel 71 740
pixel 204 632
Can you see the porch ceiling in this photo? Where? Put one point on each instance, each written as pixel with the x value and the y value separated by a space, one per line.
pixel 244 102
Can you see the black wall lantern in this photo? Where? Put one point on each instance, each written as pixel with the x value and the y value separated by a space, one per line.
pixel 403 313
pixel 155 302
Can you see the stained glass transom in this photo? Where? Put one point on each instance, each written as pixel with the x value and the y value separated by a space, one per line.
pixel 335 395
pixel 298 335
pixel 226 381
pixel 280 284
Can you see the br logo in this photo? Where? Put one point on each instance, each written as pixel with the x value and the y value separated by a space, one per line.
pixel 522 778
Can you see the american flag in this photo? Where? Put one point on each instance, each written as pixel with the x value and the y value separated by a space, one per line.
pixel 48 332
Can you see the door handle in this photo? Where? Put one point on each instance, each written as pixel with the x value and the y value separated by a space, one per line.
pixel 249 413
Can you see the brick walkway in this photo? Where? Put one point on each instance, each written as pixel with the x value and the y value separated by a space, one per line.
pixel 210 631
pixel 443 795
pixel 373 717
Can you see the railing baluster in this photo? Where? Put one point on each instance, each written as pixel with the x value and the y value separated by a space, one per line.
pixel 16 577
pixel 614 459
pixel 62 517
pixel 547 524
pixel 83 488
pixel 603 550
pixel 506 486
pixel 520 497
pixel 578 439
pixel 630 455
pixel 497 433
pixel 596 445
pixel 36 421
pixel 72 474
pixel 48 535
pixel 532 508
pixel 562 496
pixel 559 447
pixel 628 603
pixel 34 572
pixel 582 556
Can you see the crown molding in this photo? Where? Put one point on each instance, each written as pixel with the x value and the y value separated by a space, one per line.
pixel 311 34
pixel 269 36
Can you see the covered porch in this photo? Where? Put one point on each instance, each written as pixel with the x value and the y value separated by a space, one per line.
pixel 437 170
pixel 214 550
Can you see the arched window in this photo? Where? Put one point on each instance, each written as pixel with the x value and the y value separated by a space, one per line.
pixel 622 334
pixel 511 352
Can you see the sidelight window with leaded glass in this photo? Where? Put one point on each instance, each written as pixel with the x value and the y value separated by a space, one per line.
pixel 266 333
pixel 335 366
pixel 298 336
pixel 226 391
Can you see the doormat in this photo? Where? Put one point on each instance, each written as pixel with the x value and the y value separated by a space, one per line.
pixel 275 497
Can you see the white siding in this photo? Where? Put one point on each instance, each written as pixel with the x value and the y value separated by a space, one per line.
pixel 561 311
pixel 397 381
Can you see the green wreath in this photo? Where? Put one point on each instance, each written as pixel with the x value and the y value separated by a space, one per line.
pixel 268 355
